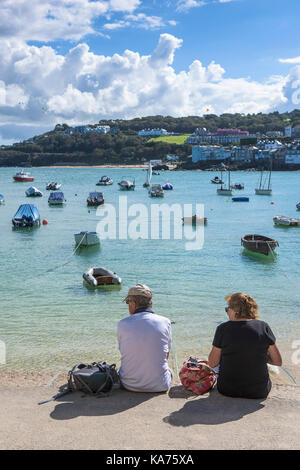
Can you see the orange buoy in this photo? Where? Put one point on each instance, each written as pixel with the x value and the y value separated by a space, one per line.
pixel 45 222
pixel 272 202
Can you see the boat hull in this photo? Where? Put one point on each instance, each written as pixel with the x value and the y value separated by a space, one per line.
pixel 283 221
pixel 263 192
pixel 259 244
pixel 224 192
pixel 95 204
pixel 86 238
pixel 96 277
pixel 240 199
pixel 21 179
pixel 194 220
pixel 56 203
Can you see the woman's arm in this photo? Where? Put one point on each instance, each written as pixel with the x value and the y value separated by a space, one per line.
pixel 214 357
pixel 273 356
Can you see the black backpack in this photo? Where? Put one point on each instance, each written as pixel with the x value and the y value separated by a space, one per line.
pixel 97 378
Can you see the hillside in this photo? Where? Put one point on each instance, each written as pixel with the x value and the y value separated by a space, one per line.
pixel 125 146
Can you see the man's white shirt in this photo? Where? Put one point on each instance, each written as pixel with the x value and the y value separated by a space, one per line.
pixel 144 342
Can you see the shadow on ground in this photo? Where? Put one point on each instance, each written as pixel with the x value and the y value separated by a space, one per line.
pixel 211 408
pixel 78 404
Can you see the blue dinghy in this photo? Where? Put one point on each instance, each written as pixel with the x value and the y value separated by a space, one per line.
pixel 240 199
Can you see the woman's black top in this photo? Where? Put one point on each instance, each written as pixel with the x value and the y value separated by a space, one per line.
pixel 243 365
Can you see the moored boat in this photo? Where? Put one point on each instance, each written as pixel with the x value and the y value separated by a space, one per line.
pixel 149 176
pixel 86 238
pixel 126 185
pixel 2 200
pixel 194 220
pixel 33 192
pixel 101 277
pixel 217 180
pixel 167 186
pixel 156 191
pixel 53 186
pixel 259 244
pixel 225 191
pixel 56 199
pixel 298 206
pixel 95 198
pixel 237 186
pixel 240 199
pixel 264 188
pixel 26 216
pixel 23 176
pixel 104 181
pixel 286 221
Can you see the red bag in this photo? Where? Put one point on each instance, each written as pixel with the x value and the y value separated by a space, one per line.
pixel 197 375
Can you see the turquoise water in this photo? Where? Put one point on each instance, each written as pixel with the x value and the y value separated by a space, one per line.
pixel 50 320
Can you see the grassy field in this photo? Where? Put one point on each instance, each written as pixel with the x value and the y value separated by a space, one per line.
pixel 171 139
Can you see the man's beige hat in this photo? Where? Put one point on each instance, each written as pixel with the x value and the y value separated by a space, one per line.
pixel 139 289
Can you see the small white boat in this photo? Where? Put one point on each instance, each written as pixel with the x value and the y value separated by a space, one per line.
pixel 156 191
pixel 194 220
pixel 86 238
pixel 33 192
pixel 2 200
pixel 56 199
pixel 264 188
pixel 53 186
pixel 225 191
pixel 126 185
pixel 104 181
pixel 101 277
pixel 286 221
pixel 149 176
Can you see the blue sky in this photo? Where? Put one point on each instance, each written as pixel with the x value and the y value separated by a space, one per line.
pixel 79 61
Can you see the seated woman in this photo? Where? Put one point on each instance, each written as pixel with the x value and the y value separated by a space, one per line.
pixel 242 347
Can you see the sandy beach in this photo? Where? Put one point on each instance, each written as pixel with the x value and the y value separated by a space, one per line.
pixel 129 167
pixel 177 420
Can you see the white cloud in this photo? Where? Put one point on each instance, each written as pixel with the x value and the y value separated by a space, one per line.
pixel 293 60
pixel 124 5
pixel 185 5
pixel 140 20
pixel 40 87
pixel 49 20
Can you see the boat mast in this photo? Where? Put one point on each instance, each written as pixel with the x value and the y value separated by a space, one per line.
pixel 269 183
pixel 261 174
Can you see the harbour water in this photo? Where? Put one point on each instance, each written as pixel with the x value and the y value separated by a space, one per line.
pixel 50 320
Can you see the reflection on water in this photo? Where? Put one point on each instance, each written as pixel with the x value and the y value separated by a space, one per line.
pixel 102 289
pixel 88 251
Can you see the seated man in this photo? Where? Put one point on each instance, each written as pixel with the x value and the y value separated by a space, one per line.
pixel 144 343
